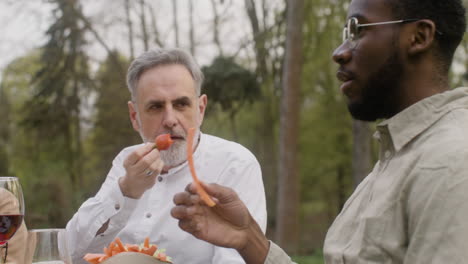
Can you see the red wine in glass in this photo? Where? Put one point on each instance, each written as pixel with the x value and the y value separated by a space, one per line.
pixel 11 213
pixel 8 226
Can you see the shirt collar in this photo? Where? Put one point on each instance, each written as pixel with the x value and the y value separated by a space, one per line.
pixel 415 119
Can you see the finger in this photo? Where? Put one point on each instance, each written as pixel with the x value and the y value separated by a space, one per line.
pixel 186 198
pixel 221 193
pixel 157 166
pixel 185 225
pixel 190 226
pixel 154 168
pixel 190 188
pixel 146 162
pixel 181 198
pixel 138 154
pixel 179 212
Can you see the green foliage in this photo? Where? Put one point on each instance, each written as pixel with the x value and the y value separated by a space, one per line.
pixel 40 169
pixel 4 132
pixel 326 127
pixel 229 84
pixel 4 162
pixel 52 110
pixel 111 127
pixel 313 259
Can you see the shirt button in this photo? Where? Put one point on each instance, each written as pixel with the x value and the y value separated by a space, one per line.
pixel 117 206
pixel 148 215
pixel 160 179
pixel 387 154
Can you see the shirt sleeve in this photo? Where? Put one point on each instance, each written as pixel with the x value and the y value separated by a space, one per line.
pixel 277 256
pixel 245 177
pixel 108 204
pixel 438 211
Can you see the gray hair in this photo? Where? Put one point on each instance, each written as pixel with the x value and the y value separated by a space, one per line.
pixel 158 57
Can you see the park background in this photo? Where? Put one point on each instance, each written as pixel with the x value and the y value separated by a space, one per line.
pixel 270 82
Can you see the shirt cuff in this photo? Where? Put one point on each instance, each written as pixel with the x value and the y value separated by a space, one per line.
pixel 276 255
pixel 118 207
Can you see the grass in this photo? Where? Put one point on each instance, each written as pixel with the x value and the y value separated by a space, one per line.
pixel 315 259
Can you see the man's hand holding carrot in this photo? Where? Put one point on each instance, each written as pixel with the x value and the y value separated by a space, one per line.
pixel 227 224
pixel 142 167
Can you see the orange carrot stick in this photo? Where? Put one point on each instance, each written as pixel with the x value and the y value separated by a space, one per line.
pixel 146 244
pixel 149 251
pixel 203 195
pixel 120 245
pixel 101 259
pixel 133 248
pixel 107 252
pixel 93 258
pixel 111 248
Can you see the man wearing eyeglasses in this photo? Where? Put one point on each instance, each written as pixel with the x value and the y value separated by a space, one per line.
pixel 412 208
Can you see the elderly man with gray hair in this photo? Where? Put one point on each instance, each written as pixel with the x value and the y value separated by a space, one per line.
pixel 135 200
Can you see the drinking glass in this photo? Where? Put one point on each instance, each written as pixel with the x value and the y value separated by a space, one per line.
pixel 48 246
pixel 11 211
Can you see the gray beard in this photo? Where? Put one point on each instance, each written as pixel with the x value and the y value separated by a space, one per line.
pixel 177 152
pixel 175 155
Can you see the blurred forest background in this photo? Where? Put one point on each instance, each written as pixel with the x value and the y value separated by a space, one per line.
pixel 270 82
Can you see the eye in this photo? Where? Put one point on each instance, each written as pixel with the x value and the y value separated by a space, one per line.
pixel 359 31
pixel 155 106
pixel 182 103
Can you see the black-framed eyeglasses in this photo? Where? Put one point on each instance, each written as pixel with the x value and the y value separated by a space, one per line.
pixel 352 29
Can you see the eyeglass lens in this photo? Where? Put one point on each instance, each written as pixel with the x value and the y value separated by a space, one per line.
pixel 350 32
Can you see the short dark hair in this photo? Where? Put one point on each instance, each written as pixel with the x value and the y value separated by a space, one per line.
pixel 448 16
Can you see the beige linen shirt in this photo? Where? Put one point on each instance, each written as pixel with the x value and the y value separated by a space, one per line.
pixel 413 207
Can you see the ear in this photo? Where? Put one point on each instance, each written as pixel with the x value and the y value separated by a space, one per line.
pixel 132 112
pixel 202 102
pixel 423 36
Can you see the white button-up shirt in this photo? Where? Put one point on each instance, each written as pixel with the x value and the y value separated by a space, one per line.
pixel 216 161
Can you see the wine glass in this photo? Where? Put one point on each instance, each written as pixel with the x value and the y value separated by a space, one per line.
pixel 48 246
pixel 11 211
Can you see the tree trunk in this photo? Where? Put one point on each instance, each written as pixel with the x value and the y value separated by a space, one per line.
pixel 192 29
pixel 216 39
pixel 90 28
pixel 5 128
pixel 260 50
pixel 143 25
pixel 232 119
pixel 288 178
pixel 157 39
pixel 130 29
pixel 340 182
pixel 361 151
pixel 268 112
pixel 175 23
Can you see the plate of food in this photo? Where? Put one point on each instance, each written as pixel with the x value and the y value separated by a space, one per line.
pixel 133 257
pixel 118 253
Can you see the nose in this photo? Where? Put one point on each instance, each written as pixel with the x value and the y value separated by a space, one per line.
pixel 170 118
pixel 342 54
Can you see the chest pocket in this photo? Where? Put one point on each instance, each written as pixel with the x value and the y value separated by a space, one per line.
pixel 383 236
